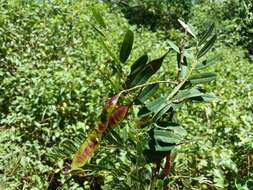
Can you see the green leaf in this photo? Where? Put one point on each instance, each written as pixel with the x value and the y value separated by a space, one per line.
pixel 206 97
pixel 144 111
pixel 152 107
pixel 165 136
pixel 161 112
pixel 209 44
pixel 139 64
pixel 202 78
pixel 126 46
pixel 194 94
pixel 142 77
pixel 156 105
pixel 187 93
pixel 161 140
pixel 69 146
pixel 107 49
pixel 187 28
pixel 98 17
pixel 148 92
pixel 184 71
pixel 97 30
pixel 174 46
pixel 151 68
pixel 206 63
pixel 207 34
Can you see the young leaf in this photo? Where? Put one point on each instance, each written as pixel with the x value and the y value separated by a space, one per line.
pixel 126 46
pixel 111 104
pixel 85 151
pixel 202 78
pixel 206 34
pixel 174 46
pixel 109 107
pixel 187 28
pixel 98 17
pixel 209 44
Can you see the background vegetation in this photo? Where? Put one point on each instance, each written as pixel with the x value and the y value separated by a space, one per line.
pixel 54 82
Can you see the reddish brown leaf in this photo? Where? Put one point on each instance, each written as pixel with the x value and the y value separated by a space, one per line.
pixel 117 116
pixel 167 167
pixel 111 104
pixel 85 151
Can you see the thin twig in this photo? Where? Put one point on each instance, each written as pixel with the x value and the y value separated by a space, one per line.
pixel 147 84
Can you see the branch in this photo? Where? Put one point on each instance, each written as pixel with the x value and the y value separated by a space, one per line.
pixel 147 84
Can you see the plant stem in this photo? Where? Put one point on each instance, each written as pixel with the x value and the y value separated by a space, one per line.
pixel 147 84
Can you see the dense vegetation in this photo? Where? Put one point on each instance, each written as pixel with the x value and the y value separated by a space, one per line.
pixel 55 77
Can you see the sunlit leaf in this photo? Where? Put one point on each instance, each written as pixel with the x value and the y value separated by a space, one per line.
pixel 156 105
pixel 97 30
pixel 206 63
pixel 174 46
pixel 111 103
pixel 108 50
pixel 85 151
pixel 187 28
pixel 161 112
pixel 202 78
pixel 109 107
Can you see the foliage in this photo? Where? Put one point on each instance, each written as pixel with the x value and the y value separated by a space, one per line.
pixel 233 18
pixel 54 81
pixel 162 14
pixel 160 130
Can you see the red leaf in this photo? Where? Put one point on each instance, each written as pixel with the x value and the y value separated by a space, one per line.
pixel 167 167
pixel 85 151
pixel 111 104
pixel 109 107
pixel 117 116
